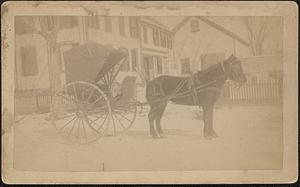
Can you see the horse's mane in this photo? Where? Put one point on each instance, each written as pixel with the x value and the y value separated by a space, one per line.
pixel 214 67
pixel 208 70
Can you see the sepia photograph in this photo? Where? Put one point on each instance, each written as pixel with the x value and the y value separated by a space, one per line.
pixel 146 93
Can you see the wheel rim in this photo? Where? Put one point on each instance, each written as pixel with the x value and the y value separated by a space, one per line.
pixel 123 116
pixel 81 112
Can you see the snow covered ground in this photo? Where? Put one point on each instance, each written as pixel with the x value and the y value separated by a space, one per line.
pixel 250 137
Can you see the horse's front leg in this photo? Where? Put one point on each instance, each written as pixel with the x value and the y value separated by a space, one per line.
pixel 151 117
pixel 208 130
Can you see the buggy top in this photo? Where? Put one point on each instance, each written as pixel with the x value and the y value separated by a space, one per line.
pixel 91 61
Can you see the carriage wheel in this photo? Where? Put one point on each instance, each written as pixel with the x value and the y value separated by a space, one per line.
pixel 123 116
pixel 81 112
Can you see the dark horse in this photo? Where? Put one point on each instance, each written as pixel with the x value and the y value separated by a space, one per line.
pixel 172 88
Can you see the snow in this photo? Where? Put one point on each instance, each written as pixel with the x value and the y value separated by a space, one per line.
pixel 250 137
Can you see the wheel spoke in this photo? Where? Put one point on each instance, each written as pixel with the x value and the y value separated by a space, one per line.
pixel 89 124
pixel 96 101
pixel 84 132
pixel 90 96
pixel 66 116
pixel 120 122
pixel 124 110
pixel 122 116
pixel 95 116
pixel 98 109
pixel 114 125
pixel 68 123
pixel 97 124
pixel 78 128
pixel 73 127
pixel 95 112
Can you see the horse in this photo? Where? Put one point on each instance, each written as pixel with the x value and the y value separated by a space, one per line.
pixel 201 88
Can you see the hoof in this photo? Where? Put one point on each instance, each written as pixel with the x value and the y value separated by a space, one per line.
pixel 208 137
pixel 162 136
pixel 154 136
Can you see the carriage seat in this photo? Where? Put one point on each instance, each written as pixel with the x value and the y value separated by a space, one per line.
pixel 128 88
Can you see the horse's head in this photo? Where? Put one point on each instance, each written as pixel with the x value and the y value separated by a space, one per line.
pixel 235 70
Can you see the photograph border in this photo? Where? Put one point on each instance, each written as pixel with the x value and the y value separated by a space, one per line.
pixel 288 10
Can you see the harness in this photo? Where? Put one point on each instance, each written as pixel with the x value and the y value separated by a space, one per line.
pixel 193 88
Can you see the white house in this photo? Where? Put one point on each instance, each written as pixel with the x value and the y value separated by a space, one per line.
pixel 148 42
pixel 200 42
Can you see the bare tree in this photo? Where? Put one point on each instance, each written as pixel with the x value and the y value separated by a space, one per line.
pixel 258 30
pixel 48 28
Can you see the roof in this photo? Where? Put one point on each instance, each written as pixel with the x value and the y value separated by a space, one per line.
pixel 153 21
pixel 214 25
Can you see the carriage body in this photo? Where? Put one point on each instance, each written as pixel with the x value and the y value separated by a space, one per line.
pixel 85 109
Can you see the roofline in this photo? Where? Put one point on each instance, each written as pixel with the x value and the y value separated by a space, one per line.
pixel 158 23
pixel 153 25
pixel 214 25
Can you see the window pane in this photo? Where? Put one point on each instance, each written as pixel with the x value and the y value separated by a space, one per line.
pixel 108 26
pixel 159 65
pixel 165 65
pixel 29 61
pixel 155 36
pixel 169 41
pixel 145 34
pixel 134 30
pixel 163 39
pixel 93 22
pixel 122 26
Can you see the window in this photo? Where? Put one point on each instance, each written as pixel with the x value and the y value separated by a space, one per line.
pixel 165 65
pixel 134 59
pixel 68 22
pixel 155 37
pixel 185 66
pixel 169 41
pixel 159 65
pixel 125 64
pixel 122 26
pixel 108 26
pixel 174 66
pixel 93 22
pixel 145 34
pixel 29 61
pixel 163 41
pixel 134 29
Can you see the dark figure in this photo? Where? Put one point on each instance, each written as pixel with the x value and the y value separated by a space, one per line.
pixel 183 90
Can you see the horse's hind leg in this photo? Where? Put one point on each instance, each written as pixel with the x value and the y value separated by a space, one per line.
pixel 208 121
pixel 160 113
pixel 151 117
